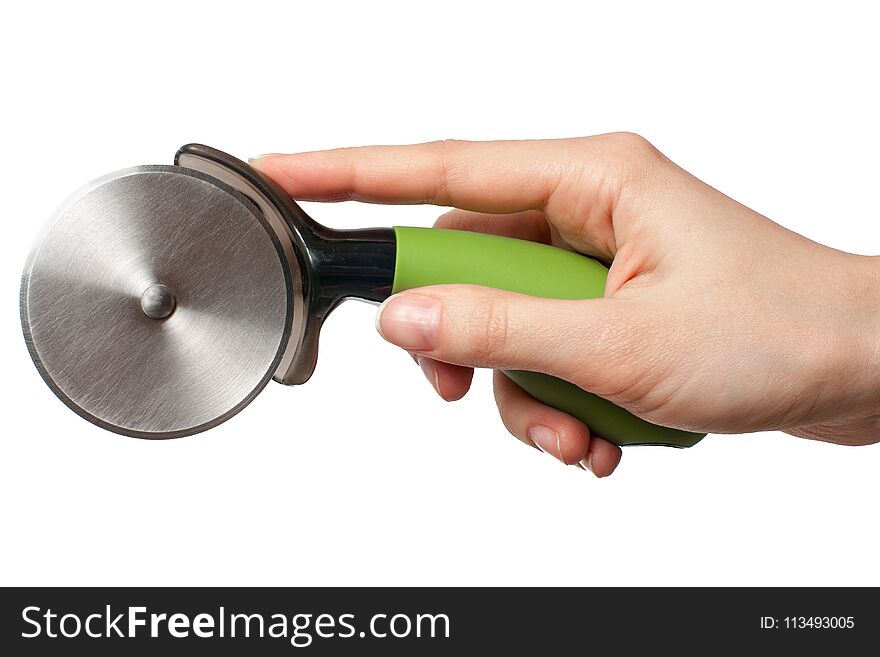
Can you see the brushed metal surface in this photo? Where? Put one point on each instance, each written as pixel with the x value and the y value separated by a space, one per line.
pixel 298 360
pixel 103 355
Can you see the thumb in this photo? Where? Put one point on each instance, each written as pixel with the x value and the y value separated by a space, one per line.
pixel 583 341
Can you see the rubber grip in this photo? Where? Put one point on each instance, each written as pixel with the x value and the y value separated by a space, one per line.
pixel 433 256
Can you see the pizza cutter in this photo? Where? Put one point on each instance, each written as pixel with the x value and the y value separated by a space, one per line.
pixel 162 299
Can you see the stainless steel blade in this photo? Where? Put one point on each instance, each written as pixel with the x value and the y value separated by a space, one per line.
pixel 157 304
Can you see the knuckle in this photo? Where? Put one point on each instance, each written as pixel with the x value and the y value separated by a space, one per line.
pixel 634 157
pixel 611 166
pixel 444 154
pixel 490 336
pixel 633 144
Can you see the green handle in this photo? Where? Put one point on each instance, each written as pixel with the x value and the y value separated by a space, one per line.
pixel 433 256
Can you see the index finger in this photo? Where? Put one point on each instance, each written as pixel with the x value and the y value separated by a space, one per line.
pixel 577 183
pixel 496 176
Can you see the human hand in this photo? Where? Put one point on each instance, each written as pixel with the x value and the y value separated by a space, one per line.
pixel 715 319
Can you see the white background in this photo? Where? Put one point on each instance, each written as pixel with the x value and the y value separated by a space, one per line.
pixel 364 476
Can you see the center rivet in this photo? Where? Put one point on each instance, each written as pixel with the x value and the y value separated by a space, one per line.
pixel 157 301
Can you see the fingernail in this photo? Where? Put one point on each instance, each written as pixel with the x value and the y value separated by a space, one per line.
pixel 253 160
pixel 430 372
pixel 546 439
pixel 587 462
pixel 409 321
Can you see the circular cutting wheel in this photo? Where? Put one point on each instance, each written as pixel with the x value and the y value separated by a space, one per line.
pixel 157 303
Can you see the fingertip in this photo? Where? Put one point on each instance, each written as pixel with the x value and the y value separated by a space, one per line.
pixel 311 176
pixel 560 436
pixel 430 372
pixel 575 443
pixel 272 165
pixel 448 219
pixel 410 320
pixel 602 458
pixel 269 165
pixel 556 433
pixel 530 225
pixel 259 160
pixel 451 382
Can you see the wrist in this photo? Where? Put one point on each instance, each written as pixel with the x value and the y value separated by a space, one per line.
pixel 855 338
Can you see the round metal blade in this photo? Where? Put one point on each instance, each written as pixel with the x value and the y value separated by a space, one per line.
pixel 157 303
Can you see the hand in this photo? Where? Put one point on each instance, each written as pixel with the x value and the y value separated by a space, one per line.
pixel 714 319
